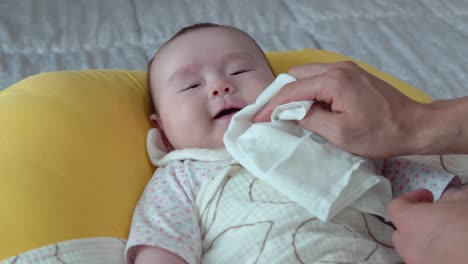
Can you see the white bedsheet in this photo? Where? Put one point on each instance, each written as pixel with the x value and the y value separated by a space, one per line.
pixel 96 250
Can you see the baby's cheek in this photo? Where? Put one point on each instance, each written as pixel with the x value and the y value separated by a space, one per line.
pixel 255 91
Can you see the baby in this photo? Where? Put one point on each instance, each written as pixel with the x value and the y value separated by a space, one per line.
pixel 200 206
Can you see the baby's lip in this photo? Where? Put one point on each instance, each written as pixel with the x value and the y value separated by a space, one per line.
pixel 227 110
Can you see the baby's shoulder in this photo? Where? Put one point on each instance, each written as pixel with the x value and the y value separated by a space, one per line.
pixel 191 168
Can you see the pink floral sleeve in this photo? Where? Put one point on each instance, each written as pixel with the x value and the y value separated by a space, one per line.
pixel 406 176
pixel 166 215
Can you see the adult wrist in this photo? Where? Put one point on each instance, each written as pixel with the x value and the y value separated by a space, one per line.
pixel 415 130
pixel 441 128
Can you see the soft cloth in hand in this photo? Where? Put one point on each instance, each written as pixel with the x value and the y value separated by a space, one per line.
pixel 300 164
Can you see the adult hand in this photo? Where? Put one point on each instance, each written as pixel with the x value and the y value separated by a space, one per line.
pixel 366 116
pixel 431 232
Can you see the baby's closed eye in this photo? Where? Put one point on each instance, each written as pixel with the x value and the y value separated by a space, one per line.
pixel 237 72
pixel 192 86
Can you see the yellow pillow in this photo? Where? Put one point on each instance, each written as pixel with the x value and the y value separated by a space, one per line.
pixel 72 151
pixel 72 156
pixel 282 61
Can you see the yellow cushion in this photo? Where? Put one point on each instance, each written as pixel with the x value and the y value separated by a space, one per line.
pixel 282 61
pixel 72 151
pixel 72 156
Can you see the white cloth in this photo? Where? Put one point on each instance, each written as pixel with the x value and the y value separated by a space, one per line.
pixel 301 165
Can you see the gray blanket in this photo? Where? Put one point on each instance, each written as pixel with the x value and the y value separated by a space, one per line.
pixel 423 42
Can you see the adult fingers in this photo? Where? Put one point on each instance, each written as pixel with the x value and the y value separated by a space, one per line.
pixel 314 69
pixel 400 204
pixel 312 84
pixel 455 194
pixel 399 241
pixel 405 247
pixel 309 70
pixel 308 89
pixel 322 121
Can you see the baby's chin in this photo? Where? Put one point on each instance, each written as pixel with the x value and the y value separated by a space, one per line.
pixel 213 141
pixel 218 144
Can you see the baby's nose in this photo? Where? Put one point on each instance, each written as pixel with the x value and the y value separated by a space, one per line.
pixel 217 91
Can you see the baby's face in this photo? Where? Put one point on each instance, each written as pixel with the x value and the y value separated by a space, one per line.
pixel 201 79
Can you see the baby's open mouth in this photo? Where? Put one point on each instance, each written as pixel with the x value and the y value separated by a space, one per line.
pixel 226 112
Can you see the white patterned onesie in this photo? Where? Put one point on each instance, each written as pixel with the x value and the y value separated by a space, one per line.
pixel 168 215
pixel 308 202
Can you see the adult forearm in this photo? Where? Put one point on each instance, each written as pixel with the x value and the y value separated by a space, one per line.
pixel 442 128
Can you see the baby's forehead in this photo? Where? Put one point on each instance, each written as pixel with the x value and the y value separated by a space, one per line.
pixel 223 36
pixel 233 43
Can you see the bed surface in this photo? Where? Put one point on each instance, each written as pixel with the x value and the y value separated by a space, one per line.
pixel 423 42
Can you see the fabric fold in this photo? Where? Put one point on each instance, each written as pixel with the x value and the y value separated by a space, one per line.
pixel 160 157
pixel 302 165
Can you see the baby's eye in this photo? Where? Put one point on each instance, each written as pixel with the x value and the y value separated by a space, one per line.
pixel 238 72
pixel 192 86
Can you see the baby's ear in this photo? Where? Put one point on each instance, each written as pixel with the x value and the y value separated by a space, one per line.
pixel 161 140
pixel 156 122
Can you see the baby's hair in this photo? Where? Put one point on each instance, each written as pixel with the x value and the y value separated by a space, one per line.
pixel 187 29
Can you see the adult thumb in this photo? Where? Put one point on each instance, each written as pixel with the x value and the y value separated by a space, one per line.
pixel 321 121
pixel 405 201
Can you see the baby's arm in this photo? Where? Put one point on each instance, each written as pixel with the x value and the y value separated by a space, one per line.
pixel 406 175
pixel 149 254
pixel 165 224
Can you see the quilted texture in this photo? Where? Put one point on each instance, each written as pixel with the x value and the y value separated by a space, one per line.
pixel 421 42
